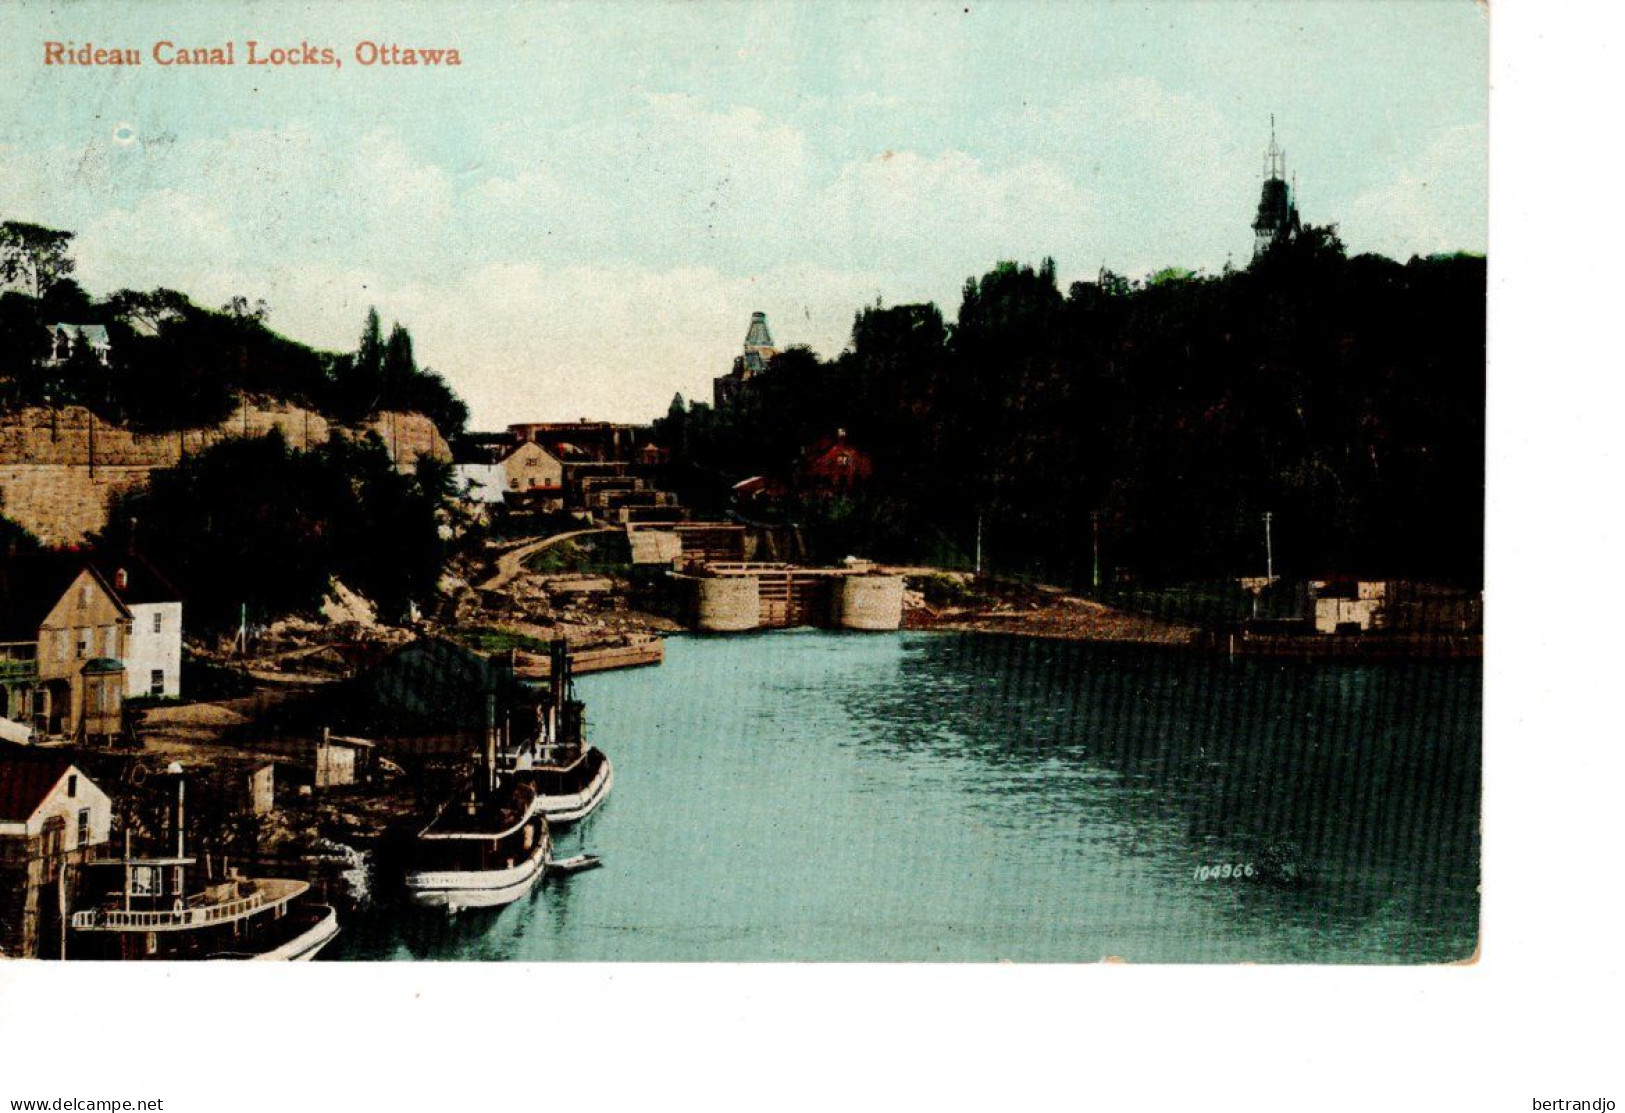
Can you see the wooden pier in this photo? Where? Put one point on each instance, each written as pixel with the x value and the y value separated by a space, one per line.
pixel 635 654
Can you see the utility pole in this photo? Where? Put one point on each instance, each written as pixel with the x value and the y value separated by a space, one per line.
pixel 1094 521
pixel 1269 549
pixel 978 545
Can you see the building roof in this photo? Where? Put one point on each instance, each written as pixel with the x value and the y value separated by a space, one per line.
pixel 142 583
pixel 31 585
pixel 545 450
pixel 96 335
pixel 757 335
pixel 27 776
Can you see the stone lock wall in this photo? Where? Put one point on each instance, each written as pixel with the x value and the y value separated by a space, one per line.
pixel 869 603
pixel 60 469
pixel 727 604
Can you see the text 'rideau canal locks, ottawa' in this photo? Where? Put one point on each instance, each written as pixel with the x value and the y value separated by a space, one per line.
pixel 1134 620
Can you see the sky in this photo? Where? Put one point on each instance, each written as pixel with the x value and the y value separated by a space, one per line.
pixel 580 219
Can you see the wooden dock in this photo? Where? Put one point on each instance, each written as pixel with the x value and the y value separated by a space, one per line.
pixel 632 655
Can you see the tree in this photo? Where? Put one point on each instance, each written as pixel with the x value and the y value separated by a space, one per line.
pixel 150 308
pixel 35 255
pixel 397 367
pixel 240 308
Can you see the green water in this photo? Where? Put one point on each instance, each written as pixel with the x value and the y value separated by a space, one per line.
pixel 820 796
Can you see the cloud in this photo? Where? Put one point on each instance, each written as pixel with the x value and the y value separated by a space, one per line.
pixel 912 214
pixel 1434 203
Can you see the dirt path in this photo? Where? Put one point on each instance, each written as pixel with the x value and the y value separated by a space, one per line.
pixel 512 563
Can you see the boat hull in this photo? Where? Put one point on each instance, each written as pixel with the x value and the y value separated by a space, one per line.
pixel 305 946
pixel 560 810
pixel 478 888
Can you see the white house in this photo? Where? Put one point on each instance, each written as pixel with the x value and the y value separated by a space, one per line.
pixel 152 647
pixel 66 339
pixel 52 820
pixel 530 467
pixel 46 797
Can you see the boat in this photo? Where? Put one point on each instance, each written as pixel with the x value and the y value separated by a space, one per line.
pixel 576 863
pixel 480 850
pixel 161 906
pixel 570 775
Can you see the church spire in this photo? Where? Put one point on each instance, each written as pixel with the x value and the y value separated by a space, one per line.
pixel 1277 219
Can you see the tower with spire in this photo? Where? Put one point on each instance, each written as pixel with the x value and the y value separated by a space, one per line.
pixel 1277 219
pixel 758 352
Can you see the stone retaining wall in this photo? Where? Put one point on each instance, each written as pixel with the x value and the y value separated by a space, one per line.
pixel 61 468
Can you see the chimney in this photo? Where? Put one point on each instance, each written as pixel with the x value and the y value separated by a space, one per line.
pixel 121 579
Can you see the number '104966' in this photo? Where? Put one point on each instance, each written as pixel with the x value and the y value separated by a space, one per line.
pixel 1230 871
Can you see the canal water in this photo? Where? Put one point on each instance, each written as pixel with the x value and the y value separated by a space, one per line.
pixel 810 795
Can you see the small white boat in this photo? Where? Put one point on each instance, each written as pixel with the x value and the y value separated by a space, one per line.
pixel 576 863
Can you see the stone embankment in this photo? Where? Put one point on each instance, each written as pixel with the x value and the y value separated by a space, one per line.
pixel 61 468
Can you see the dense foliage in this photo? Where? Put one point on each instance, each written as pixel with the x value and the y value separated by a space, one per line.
pixel 175 364
pixel 1344 396
pixel 253 523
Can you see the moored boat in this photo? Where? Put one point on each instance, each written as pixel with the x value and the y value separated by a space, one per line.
pixel 571 776
pixel 163 907
pixel 479 851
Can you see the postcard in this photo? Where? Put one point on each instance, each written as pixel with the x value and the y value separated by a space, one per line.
pixel 719 483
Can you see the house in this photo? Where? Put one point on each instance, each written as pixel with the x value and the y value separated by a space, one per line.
pixel 53 819
pixel 1346 604
pixel 73 684
pixel 832 466
pixel 528 468
pixel 67 339
pixel 152 649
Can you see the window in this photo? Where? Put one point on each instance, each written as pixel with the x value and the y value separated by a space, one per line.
pixel 73 784
pixel 110 641
pixel 157 682
pixel 157 622
pixel 84 642
pixel 84 595
pixel 513 483
pixel 144 881
pixel 63 637
pixel 82 835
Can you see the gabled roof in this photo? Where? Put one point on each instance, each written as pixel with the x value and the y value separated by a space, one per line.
pixel 142 582
pixel 27 776
pixel 95 335
pixel 33 584
pixel 543 449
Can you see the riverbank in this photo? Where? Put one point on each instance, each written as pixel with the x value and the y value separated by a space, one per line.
pixel 1064 617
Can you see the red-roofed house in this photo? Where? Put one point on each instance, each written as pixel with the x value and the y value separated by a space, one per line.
pixel 832 466
pixel 52 819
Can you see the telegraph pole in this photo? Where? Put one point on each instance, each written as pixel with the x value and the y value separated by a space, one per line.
pixel 1269 549
pixel 978 545
pixel 1094 521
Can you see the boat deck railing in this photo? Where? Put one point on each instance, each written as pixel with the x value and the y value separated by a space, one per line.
pixel 266 894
